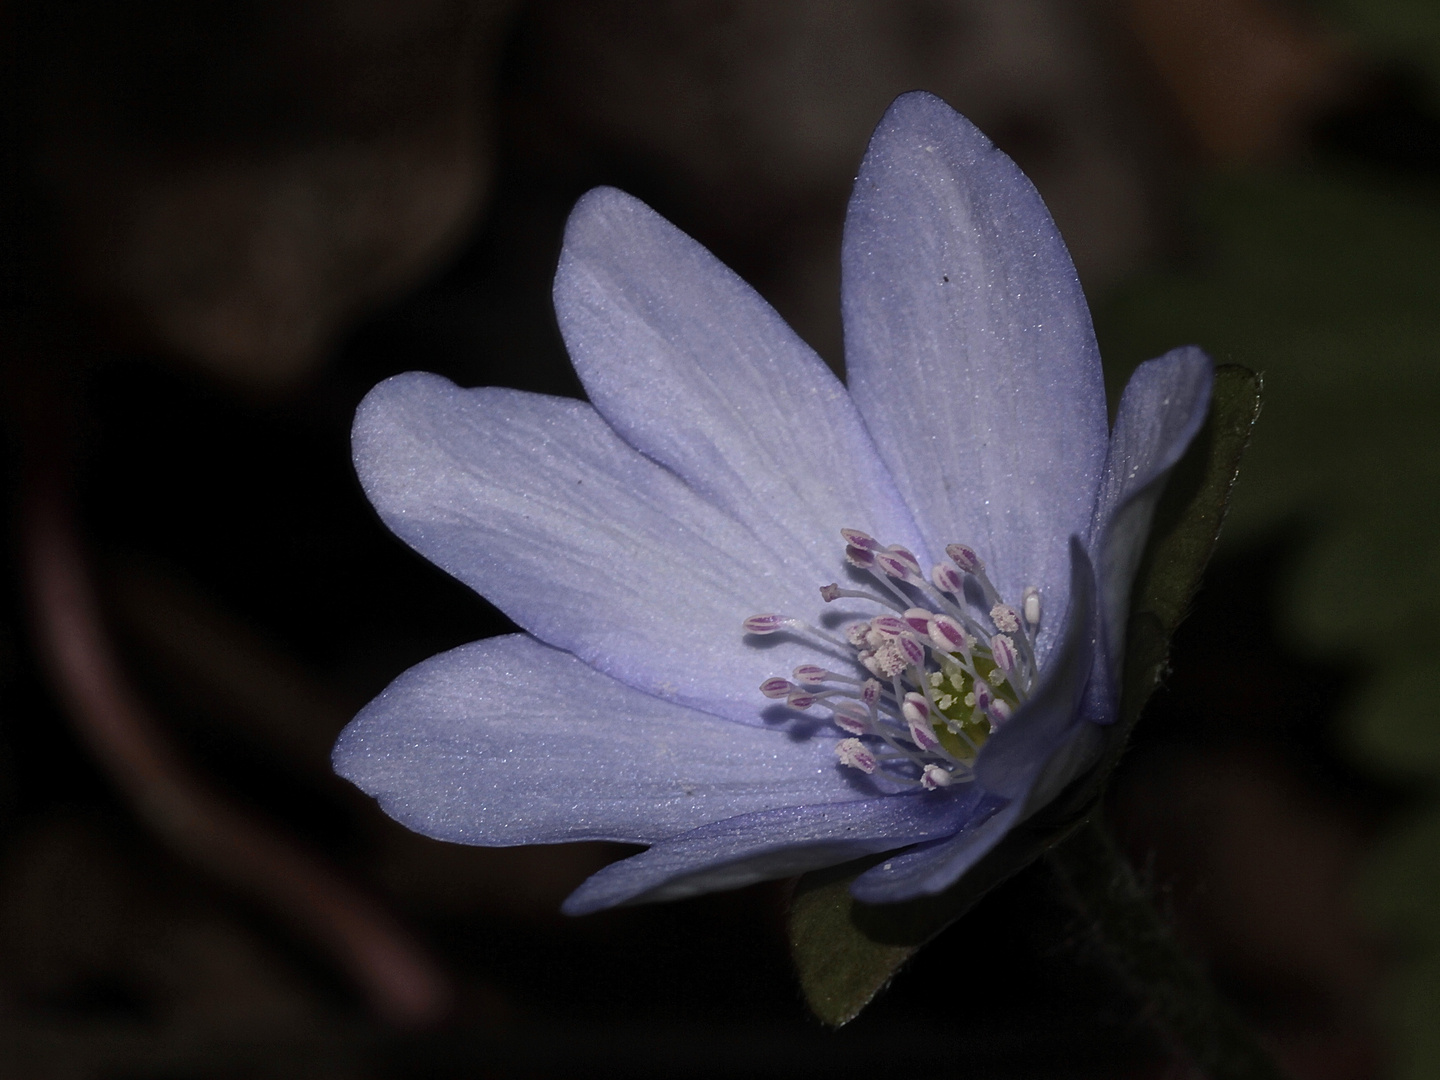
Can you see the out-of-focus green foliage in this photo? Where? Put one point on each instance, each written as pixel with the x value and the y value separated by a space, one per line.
pixel 1329 284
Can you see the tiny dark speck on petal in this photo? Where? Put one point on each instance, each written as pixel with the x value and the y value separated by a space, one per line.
pixel 945 278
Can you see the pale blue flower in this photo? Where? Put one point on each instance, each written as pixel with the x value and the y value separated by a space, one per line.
pixel 707 481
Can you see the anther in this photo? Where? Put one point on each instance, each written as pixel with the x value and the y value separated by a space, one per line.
pixel 935 777
pixel 965 558
pixel 1004 618
pixel 857 539
pixel 1002 651
pixel 810 673
pixel 1000 711
pixel 776 688
pixel 922 735
pixel 870 692
pixel 892 565
pixel 801 700
pixel 906 556
pixel 948 579
pixel 856 633
pixel 912 650
pixel 915 709
pixel 1031 606
pixel 861 558
pixel 767 624
pixel 852 752
pixel 888 625
pixel 888 661
pixel 830 592
pixel 946 633
pixel 918 619
pixel 849 716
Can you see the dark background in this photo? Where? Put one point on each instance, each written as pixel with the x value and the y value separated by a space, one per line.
pixel 224 222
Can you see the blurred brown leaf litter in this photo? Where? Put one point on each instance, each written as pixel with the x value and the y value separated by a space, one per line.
pixel 227 221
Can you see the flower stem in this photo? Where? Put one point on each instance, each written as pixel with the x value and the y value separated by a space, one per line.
pixel 1183 1004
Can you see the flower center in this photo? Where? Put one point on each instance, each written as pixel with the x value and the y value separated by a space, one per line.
pixel 922 685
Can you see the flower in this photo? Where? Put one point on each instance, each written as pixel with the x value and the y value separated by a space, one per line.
pixel 661 546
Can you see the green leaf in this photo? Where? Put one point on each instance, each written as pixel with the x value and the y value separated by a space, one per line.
pixel 845 951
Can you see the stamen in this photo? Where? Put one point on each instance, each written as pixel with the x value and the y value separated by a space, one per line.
pixel 853 752
pixel 864 541
pixel 811 673
pixel 948 579
pixel 776 688
pixel 768 624
pixel 1031 605
pixel 1002 651
pixel 935 777
pixel 965 558
pixel 1005 619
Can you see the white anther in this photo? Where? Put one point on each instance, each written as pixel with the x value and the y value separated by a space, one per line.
pixel 913 651
pixel 965 558
pixel 870 692
pixel 809 673
pixel 776 688
pixel 1031 606
pixel 1000 711
pixel 984 696
pixel 853 752
pixel 1002 649
pixel 856 633
pixel 889 661
pixel 935 777
pixel 1004 618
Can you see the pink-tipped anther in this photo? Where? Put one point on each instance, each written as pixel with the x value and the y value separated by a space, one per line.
pixel 830 592
pixel 914 652
pixel 892 565
pixel 1002 650
pixel 767 624
pixel 776 687
pixel 946 633
pixel 860 558
pixel 1000 711
pixel 870 692
pixel 853 752
pixel 918 619
pixel 965 558
pixel 922 735
pixel 856 633
pixel 948 579
pixel 852 717
pixel 864 541
pixel 810 673
pixel 906 556
pixel 801 700
pixel 984 696
pixel 888 626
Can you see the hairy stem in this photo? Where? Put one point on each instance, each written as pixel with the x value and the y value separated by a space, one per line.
pixel 1184 1005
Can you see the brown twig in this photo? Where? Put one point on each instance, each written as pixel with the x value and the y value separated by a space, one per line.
pixel 403 985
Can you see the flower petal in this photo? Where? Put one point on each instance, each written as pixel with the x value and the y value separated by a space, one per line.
pixel 772 844
pixel 934 867
pixel 694 369
pixel 508 741
pixel 1009 760
pixel 1164 405
pixel 537 505
pixel 970 350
